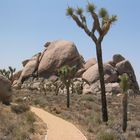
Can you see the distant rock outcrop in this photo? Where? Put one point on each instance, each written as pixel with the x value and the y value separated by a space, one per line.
pixel 5 90
pixel 58 53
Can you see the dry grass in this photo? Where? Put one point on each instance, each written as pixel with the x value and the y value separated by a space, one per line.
pixel 85 112
pixel 17 125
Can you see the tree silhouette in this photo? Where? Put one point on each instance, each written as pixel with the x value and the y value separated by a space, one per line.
pixel 66 74
pixel 124 84
pixel 101 25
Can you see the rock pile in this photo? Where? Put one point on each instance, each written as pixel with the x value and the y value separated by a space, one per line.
pixel 112 70
pixel 47 63
pixel 58 53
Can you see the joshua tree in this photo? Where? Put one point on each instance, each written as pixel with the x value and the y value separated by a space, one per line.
pixel 66 74
pixel 124 79
pixel 8 73
pixel 12 71
pixel 101 25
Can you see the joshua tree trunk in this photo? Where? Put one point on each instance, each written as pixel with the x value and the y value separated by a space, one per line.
pixel 68 95
pixel 102 83
pixel 124 104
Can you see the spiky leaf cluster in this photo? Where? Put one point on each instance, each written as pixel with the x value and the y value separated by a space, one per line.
pixel 12 70
pixel 5 73
pixel 69 11
pixel 66 73
pixel 90 7
pixel 79 11
pixel 103 13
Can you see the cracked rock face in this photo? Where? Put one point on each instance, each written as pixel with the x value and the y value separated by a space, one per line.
pixel 59 53
pixel 92 74
pixel 126 67
pixel 112 70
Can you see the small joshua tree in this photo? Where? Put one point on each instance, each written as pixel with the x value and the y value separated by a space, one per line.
pixel 5 73
pixel 12 71
pixel 8 73
pixel 66 74
pixel 101 25
pixel 124 79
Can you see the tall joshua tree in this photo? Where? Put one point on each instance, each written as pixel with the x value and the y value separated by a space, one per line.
pixel 101 25
pixel 124 84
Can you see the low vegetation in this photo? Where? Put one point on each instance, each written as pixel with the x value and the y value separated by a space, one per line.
pixel 85 112
pixel 18 123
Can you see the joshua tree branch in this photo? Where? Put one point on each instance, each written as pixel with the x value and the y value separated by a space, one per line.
pixel 96 24
pixel 77 20
pixel 105 30
pixel 80 24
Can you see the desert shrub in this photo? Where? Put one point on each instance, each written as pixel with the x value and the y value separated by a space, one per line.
pixel 30 117
pixel 20 133
pixel 130 136
pixel 104 135
pixel 20 108
pixel 90 128
pixel 56 109
pixel 40 101
pixel 18 100
pixel 88 98
pixel 36 101
pixel 138 133
pixel 95 119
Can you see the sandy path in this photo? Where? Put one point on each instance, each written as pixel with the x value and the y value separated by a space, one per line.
pixel 58 129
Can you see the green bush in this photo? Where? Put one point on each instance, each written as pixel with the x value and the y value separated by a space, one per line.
pixel 30 116
pixel 104 135
pixel 20 108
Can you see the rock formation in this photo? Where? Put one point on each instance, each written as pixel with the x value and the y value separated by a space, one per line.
pixel 61 52
pixel 112 70
pixel 5 90
pixel 47 63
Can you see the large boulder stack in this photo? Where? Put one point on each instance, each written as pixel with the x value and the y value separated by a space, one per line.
pixel 47 63
pixel 112 70
pixel 5 90
pixel 61 52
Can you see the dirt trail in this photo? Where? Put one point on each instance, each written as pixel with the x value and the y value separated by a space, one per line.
pixel 58 129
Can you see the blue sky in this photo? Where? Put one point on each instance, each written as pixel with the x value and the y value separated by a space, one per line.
pixel 26 25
